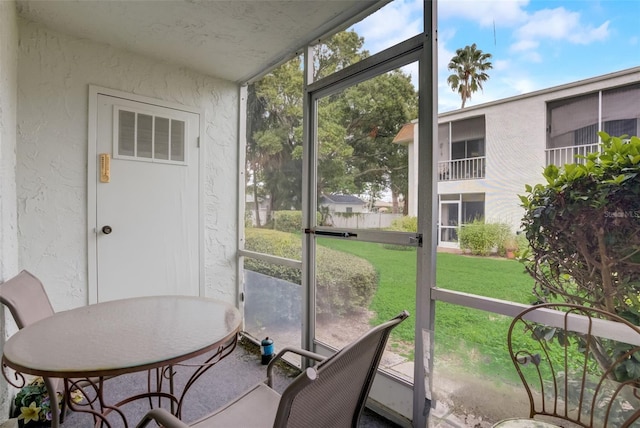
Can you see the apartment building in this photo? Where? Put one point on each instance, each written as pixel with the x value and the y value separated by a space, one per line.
pixel 489 152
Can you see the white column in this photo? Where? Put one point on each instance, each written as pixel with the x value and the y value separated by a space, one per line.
pixel 8 201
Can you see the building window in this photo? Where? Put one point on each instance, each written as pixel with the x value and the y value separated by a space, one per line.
pixel 573 123
pixel 349 209
pixel 462 149
pixel 467 149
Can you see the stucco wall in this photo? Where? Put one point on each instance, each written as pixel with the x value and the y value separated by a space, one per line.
pixel 55 72
pixel 516 141
pixel 8 97
pixel 8 221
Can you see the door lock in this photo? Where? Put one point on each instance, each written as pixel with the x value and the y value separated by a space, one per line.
pixel 107 230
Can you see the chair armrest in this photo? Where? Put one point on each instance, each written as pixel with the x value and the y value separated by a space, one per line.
pixel 299 351
pixel 163 418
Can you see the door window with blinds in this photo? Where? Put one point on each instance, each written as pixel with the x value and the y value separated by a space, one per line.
pixel 149 137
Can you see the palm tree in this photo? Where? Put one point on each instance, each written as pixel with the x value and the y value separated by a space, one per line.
pixel 468 65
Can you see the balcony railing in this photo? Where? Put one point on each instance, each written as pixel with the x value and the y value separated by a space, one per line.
pixel 564 155
pixel 461 169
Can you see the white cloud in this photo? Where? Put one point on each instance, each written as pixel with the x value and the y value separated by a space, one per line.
pixel 560 24
pixel 591 34
pixel 444 54
pixel 524 45
pixel 412 70
pixel 397 21
pixel 502 13
pixel 531 28
pixel 521 85
pixel 532 56
pixel 501 64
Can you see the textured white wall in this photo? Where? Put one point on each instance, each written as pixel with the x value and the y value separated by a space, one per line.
pixel 8 102
pixel 55 71
pixel 516 139
pixel 8 221
pixel 514 147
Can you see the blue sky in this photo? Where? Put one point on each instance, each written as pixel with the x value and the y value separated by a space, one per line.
pixel 535 44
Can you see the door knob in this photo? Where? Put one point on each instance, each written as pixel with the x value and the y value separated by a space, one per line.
pixel 106 230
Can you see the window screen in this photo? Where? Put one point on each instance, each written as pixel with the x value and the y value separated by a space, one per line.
pixel 621 110
pixel 575 121
pixel 467 138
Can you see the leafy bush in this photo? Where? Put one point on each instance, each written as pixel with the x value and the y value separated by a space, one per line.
pixel 583 226
pixel 522 244
pixel 405 224
pixel 344 282
pixel 275 243
pixel 290 221
pixel 287 221
pixel 482 238
pixel 402 224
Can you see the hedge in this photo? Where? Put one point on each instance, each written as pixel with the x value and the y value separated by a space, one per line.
pixel 402 224
pixel 287 221
pixel 344 282
pixel 482 238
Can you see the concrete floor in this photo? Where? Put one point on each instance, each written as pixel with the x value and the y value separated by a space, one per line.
pixel 219 385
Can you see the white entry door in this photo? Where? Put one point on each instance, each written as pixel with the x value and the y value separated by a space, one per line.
pixel 147 200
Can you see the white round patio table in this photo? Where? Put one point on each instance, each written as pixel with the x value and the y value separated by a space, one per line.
pixel 123 336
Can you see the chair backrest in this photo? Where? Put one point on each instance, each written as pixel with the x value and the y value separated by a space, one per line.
pixel 333 393
pixel 26 298
pixel 28 302
pixel 579 364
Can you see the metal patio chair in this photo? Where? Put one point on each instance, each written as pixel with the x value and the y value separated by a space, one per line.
pixel 571 372
pixel 330 394
pixel 28 302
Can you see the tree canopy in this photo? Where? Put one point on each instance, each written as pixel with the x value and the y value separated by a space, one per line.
pixel 355 129
pixel 469 66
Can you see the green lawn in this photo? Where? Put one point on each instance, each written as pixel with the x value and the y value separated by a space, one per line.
pixel 470 337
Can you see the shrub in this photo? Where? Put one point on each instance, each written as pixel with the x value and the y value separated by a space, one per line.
pixel 584 230
pixel 344 282
pixel 402 224
pixel 290 221
pixel 405 224
pixel 275 243
pixel 287 221
pixel 482 238
pixel 523 244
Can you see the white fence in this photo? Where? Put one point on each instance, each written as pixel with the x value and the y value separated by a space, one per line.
pixel 362 220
